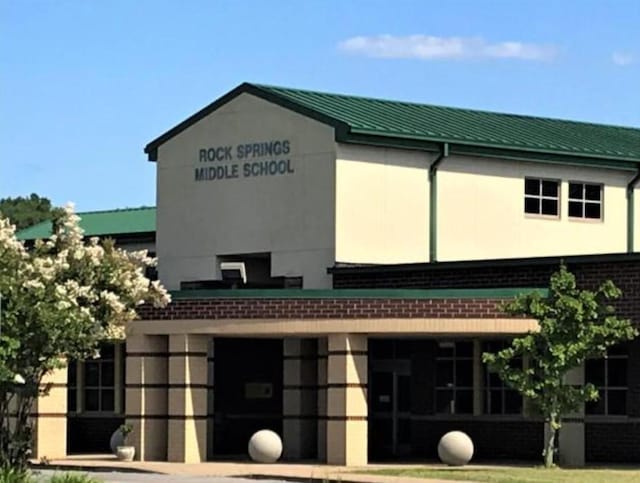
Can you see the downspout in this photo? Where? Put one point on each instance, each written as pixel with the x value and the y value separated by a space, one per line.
pixel 630 211
pixel 433 203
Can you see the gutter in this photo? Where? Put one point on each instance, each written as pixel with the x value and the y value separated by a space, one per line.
pixel 631 210
pixel 433 202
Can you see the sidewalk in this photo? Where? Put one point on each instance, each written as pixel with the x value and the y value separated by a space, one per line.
pixel 289 471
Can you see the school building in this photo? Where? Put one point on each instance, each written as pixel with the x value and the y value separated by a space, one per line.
pixel 337 266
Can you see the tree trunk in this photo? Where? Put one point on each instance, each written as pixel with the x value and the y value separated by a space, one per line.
pixel 550 443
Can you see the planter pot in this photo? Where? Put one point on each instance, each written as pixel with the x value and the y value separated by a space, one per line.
pixel 125 453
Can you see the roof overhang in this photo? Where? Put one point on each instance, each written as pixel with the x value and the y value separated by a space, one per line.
pixel 345 134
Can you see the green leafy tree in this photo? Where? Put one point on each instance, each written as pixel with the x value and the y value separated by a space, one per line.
pixel 27 211
pixel 59 301
pixel 574 325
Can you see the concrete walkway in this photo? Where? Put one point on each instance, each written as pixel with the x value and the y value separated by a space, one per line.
pixel 280 471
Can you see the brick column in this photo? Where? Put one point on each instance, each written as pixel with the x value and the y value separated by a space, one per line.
pixel 299 399
pixel 347 400
pixel 187 435
pixel 50 418
pixel 146 395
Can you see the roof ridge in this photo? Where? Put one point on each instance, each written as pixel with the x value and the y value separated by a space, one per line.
pixel 116 210
pixel 440 106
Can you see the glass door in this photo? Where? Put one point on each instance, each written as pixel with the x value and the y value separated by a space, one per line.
pixel 390 407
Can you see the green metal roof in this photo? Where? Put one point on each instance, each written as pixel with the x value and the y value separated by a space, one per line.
pixel 127 221
pixel 367 120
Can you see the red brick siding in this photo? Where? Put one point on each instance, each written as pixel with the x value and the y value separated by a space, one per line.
pixel 221 308
pixel 625 274
pixel 492 440
pixel 612 442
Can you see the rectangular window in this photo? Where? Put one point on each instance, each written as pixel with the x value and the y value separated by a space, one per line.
pixel 454 378
pixel 498 397
pixel 541 196
pixel 93 385
pixel 609 375
pixel 72 384
pixel 585 200
pixel 99 381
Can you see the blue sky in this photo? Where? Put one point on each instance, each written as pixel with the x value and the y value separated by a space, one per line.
pixel 84 85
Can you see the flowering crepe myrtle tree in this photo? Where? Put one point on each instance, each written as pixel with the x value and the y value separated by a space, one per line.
pixel 574 325
pixel 59 300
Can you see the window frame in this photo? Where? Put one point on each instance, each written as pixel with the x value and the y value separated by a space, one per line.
pixel 605 389
pixel 584 201
pixel 540 197
pixel 80 387
pixel 453 387
pixel 488 388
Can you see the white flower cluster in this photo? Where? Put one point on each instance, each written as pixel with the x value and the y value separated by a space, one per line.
pixel 67 285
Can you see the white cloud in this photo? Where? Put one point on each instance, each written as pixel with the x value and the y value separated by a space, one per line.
pixel 426 47
pixel 622 58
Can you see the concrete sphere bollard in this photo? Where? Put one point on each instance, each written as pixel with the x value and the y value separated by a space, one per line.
pixel 455 448
pixel 265 446
pixel 116 440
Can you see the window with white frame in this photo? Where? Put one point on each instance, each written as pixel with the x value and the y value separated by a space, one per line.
pixel 498 397
pixel 609 375
pixel 585 200
pixel 454 377
pixel 541 196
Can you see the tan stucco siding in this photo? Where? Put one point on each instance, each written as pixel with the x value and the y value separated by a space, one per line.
pixel 289 215
pixel 382 205
pixel 317 327
pixel 481 211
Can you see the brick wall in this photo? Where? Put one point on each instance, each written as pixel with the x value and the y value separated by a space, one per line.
pixel 612 442
pixel 492 440
pixel 237 308
pixel 625 274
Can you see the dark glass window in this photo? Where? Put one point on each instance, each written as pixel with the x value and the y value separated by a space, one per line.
pixel 585 200
pixel 541 196
pixel 498 397
pixel 609 375
pixel 72 386
pixel 454 378
pixel 99 381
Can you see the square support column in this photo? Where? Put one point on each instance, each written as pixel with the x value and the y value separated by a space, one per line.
pixel 146 395
pixel 50 418
pixel 347 400
pixel 299 399
pixel 187 435
pixel 571 440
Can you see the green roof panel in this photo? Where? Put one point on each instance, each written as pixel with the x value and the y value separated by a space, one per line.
pixel 127 221
pixel 432 123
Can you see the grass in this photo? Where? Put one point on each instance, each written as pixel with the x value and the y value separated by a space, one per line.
pixel 518 474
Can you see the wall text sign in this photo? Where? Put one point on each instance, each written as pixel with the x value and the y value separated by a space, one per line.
pixel 247 160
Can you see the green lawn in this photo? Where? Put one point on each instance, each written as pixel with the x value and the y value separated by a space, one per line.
pixel 518 474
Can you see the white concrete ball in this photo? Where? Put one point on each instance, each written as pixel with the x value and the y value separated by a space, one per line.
pixel 265 446
pixel 455 448
pixel 116 440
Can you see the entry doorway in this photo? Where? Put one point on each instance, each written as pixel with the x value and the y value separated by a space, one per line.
pixel 390 409
pixel 248 393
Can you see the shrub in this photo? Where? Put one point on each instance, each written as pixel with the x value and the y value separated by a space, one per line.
pixel 73 478
pixel 14 475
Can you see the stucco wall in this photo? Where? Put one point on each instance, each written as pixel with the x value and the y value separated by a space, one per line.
pixel 289 215
pixel 481 211
pixel 382 205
